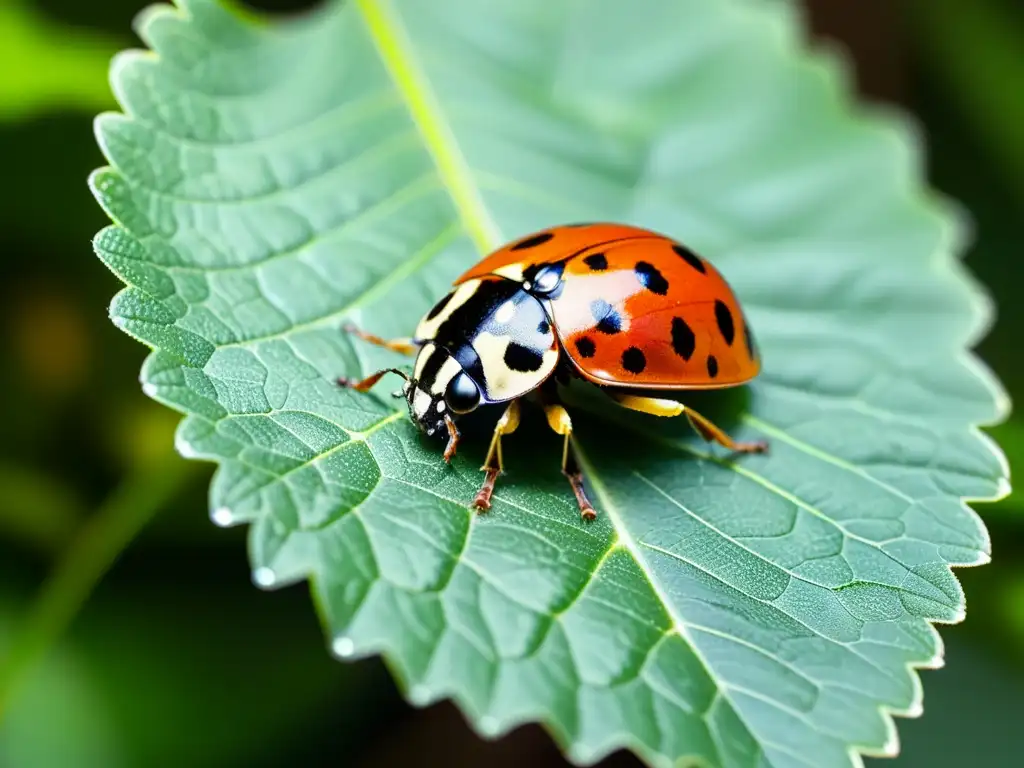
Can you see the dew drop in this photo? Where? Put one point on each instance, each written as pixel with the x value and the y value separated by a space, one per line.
pixel 222 516
pixel 419 695
pixel 343 647
pixel 264 577
pixel 184 448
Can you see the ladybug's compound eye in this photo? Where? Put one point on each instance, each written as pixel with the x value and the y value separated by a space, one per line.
pixel 462 395
pixel 547 279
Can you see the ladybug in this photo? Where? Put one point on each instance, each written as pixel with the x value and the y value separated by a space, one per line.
pixel 629 310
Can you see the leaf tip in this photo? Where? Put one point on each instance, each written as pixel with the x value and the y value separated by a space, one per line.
pixel 891 747
pixel 488 727
pixel 181 445
pixel 146 17
pixel 916 708
pixel 98 180
pixel 119 322
pixel 984 558
pixel 120 66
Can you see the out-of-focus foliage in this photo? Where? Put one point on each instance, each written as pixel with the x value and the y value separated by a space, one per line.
pixel 60 718
pixel 47 66
pixel 1010 436
pixel 124 689
pixel 37 508
pixel 975 47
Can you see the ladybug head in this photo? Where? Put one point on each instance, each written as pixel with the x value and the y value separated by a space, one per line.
pixel 439 388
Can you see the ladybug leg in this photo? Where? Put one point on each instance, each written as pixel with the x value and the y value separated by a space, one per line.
pixel 453 439
pixel 366 384
pixel 404 346
pixel 712 433
pixel 558 420
pixel 494 464
pixel 704 427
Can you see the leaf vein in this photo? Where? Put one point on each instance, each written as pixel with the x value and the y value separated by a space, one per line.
pixel 395 49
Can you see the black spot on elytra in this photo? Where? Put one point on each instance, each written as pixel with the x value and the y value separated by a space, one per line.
pixel 684 342
pixel 690 257
pixel 724 318
pixel 712 366
pixel 748 339
pixel 439 306
pixel 585 346
pixel 633 360
pixel 543 327
pixel 532 242
pixel 650 278
pixel 608 320
pixel 522 359
pixel 596 261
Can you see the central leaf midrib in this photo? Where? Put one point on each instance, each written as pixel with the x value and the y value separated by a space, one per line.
pixel 396 52
pixel 680 626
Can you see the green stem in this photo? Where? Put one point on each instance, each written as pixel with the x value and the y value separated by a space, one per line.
pixel 90 555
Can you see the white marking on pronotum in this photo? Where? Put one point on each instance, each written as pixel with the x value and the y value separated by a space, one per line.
pixel 505 312
pixel 440 406
pixel 448 371
pixel 421 360
pixel 427 329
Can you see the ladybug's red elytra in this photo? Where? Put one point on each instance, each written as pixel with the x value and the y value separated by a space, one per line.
pixel 625 308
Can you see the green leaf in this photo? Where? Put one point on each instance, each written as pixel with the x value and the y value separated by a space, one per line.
pixel 270 181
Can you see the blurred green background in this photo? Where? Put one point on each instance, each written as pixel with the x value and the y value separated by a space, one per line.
pixel 174 658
